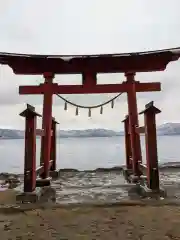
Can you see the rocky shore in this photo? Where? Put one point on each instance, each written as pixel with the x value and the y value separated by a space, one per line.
pixel 101 184
pixel 10 180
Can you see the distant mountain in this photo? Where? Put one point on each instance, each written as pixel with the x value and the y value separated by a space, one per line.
pixel 169 129
pixel 89 133
pixel 11 134
pixel 164 129
pixel 19 134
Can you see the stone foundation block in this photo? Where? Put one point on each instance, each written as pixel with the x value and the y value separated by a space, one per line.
pixel 43 182
pixel 147 192
pixel 28 197
pixel 40 195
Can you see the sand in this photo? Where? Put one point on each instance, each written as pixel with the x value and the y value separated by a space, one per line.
pixel 125 222
pixel 88 222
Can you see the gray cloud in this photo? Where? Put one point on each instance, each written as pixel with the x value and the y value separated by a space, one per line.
pixel 81 27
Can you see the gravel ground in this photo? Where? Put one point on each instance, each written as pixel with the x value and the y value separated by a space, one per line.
pixel 108 186
pixel 127 222
pixel 90 222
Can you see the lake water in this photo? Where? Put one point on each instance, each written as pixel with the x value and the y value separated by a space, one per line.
pixel 85 153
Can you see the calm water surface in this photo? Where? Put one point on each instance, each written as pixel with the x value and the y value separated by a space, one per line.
pixel 85 153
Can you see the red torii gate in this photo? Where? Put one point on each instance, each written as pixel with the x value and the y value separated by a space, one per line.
pixel 89 66
pixel 89 86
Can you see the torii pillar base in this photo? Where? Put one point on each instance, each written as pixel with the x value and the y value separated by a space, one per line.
pixel 149 193
pixel 42 195
pixel 40 182
pixel 28 197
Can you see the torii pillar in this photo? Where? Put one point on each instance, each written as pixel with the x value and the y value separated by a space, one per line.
pixel 53 170
pixel 133 123
pixel 46 124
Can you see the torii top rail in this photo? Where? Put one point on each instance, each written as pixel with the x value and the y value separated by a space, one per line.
pixel 89 66
pixel 102 63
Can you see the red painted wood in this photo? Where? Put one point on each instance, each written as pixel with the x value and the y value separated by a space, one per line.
pixel 89 79
pixel 30 150
pixel 53 145
pixel 151 146
pixel 80 89
pixel 127 143
pixel 104 63
pixel 133 124
pixel 46 125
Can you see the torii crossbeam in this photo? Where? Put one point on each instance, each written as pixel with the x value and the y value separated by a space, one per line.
pixel 54 88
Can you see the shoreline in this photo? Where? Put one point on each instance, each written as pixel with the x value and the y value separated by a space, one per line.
pixel 175 165
pixel 99 185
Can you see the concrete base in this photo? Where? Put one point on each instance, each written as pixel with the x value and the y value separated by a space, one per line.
pixel 147 192
pixel 41 195
pixel 28 197
pixel 43 182
pixel 141 183
pixel 54 174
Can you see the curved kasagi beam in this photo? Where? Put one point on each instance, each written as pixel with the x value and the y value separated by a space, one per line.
pixel 103 63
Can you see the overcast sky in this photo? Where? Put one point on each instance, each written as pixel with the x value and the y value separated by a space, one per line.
pixel 86 27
